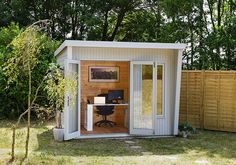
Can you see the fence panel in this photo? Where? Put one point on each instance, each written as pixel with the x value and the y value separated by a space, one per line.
pixel 190 100
pixel 208 99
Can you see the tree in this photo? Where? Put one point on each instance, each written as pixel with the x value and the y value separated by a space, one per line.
pixel 109 18
pixel 14 95
pixel 138 26
pixel 25 48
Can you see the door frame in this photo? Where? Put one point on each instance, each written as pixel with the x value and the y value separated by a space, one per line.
pixel 67 135
pixel 131 129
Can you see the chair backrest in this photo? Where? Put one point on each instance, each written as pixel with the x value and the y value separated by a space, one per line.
pixel 105 110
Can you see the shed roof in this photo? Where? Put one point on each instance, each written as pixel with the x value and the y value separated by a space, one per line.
pixel 115 44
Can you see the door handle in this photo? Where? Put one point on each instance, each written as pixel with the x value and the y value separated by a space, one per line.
pixel 68 101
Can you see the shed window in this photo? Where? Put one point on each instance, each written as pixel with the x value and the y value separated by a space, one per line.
pixel 160 90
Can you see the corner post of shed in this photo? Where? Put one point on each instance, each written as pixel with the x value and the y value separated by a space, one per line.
pixel 177 91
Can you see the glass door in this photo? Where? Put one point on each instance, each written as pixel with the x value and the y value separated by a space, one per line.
pixel 72 103
pixel 142 98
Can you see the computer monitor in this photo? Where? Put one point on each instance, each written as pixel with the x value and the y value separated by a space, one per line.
pixel 115 95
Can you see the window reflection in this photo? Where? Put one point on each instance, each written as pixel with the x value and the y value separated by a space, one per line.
pixel 159 89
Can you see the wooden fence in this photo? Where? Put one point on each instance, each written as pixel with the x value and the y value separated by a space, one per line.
pixel 208 99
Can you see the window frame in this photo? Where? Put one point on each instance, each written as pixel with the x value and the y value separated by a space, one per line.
pixel 163 88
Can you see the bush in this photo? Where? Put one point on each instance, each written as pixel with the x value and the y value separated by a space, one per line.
pixel 14 96
pixel 186 127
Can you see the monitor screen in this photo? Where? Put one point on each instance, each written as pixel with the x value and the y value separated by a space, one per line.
pixel 115 95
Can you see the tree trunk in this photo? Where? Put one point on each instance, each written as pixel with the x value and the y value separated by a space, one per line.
pixel 13 142
pixel 192 44
pixel 15 126
pixel 218 27
pixel 211 15
pixel 29 113
pixel 219 13
pixel 105 27
pixel 118 23
pixel 201 54
pixel 58 119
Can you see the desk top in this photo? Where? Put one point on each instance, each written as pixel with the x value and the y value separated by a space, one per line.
pixel 122 104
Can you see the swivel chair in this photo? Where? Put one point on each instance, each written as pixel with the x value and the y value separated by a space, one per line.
pixel 105 111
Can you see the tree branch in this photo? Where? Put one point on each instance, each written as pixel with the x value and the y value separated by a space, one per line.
pixel 211 14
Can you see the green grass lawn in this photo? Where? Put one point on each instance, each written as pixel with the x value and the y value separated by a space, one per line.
pixel 206 147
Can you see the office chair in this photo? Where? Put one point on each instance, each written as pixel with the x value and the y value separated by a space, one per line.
pixel 105 111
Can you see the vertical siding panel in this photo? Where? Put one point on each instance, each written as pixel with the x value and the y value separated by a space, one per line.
pixel 61 58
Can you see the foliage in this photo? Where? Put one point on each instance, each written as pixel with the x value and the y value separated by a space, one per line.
pixel 208 27
pixel 13 83
pixel 186 127
pixel 56 86
pixel 24 49
pixel 7 101
pixel 7 34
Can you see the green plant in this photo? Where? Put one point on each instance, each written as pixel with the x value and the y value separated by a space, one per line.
pixel 23 58
pixel 56 86
pixel 186 127
pixel 13 94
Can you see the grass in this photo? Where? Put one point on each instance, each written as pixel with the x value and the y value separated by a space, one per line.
pixel 207 147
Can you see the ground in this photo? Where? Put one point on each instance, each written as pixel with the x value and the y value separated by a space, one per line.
pixel 206 147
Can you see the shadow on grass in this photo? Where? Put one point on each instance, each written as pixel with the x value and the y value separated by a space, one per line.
pixel 206 142
pixel 83 147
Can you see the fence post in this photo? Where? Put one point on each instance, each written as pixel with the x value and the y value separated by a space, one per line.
pixel 233 125
pixel 218 100
pixel 202 99
pixel 187 96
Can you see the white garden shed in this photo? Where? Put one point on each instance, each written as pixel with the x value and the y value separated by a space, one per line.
pixel 144 79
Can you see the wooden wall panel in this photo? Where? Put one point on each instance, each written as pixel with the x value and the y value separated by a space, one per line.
pixel 91 89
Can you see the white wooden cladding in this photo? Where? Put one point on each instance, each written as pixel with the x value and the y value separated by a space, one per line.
pixel 61 58
pixel 121 54
pixel 165 125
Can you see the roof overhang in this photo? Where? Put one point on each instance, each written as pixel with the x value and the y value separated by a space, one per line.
pixel 114 44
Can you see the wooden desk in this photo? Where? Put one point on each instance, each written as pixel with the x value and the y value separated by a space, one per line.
pixel 88 115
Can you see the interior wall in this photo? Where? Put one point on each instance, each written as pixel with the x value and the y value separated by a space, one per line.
pixel 91 89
